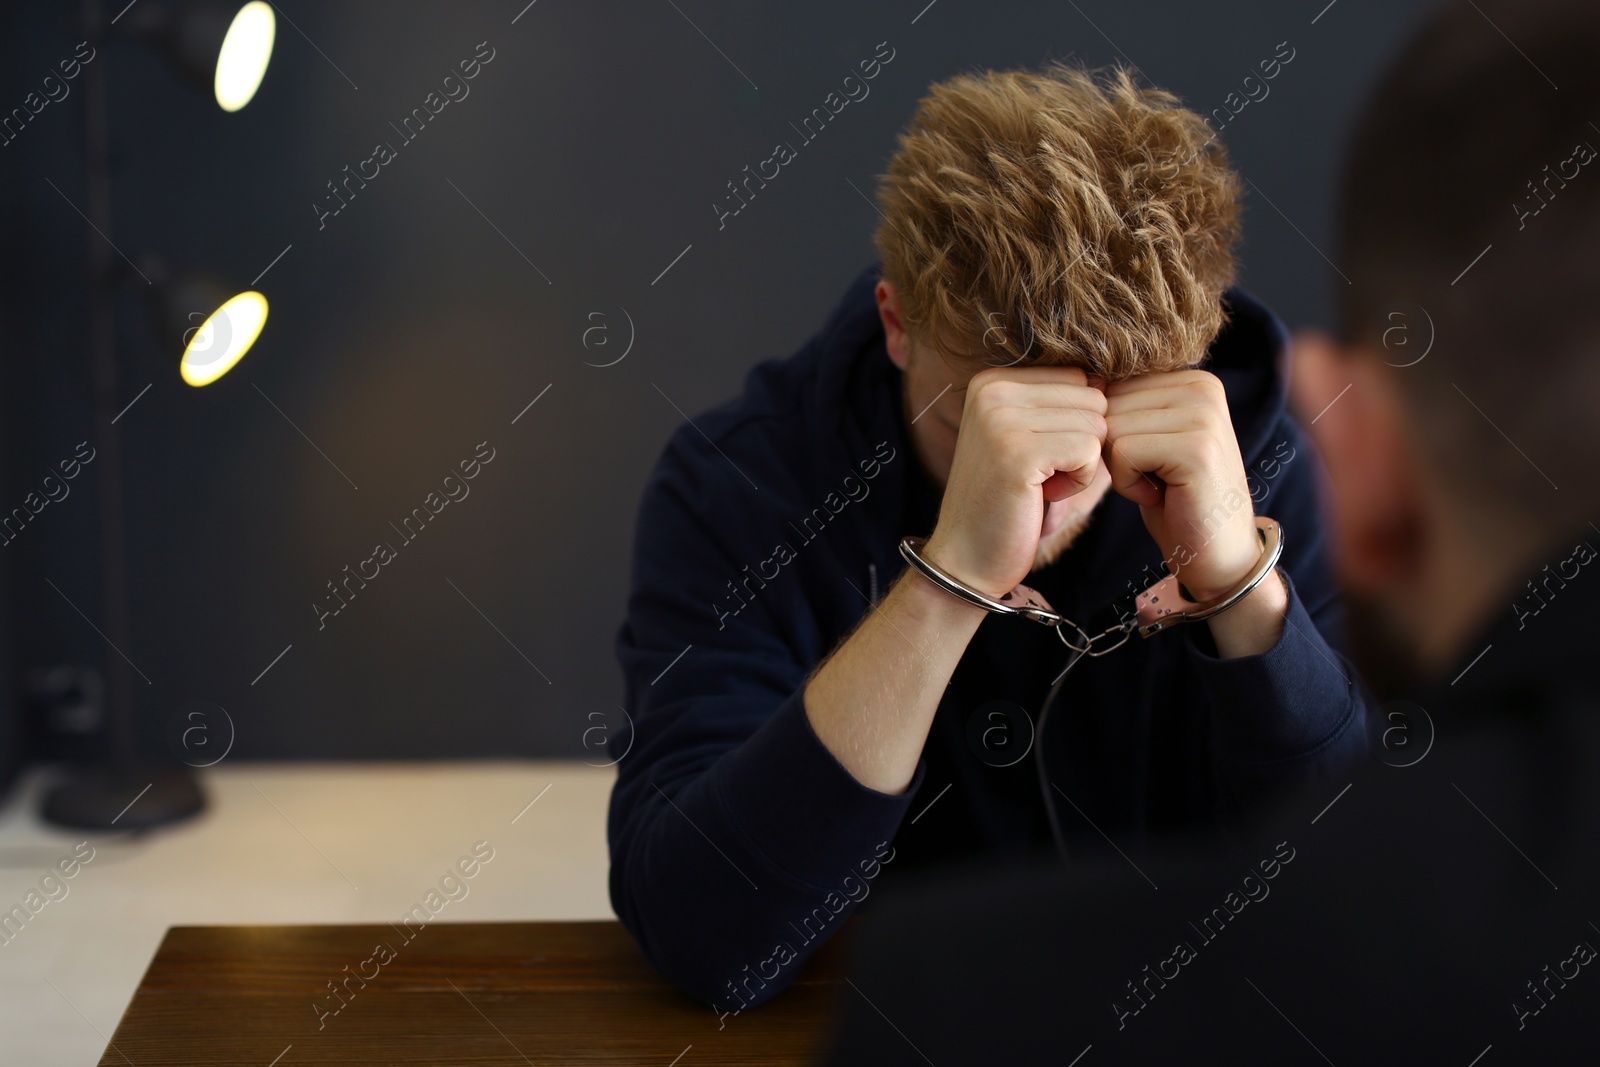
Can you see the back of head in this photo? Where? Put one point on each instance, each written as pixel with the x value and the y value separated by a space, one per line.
pixel 1470 220
pixel 1059 218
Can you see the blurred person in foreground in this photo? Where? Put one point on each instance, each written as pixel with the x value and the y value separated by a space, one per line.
pixel 1050 373
pixel 1442 908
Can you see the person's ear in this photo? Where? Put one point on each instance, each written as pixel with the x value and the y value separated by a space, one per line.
pixel 1349 402
pixel 895 337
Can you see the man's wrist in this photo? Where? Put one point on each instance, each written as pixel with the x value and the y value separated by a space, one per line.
pixel 957 567
pixel 927 601
pixel 1255 623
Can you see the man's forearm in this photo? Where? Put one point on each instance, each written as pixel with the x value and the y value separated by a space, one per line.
pixel 873 701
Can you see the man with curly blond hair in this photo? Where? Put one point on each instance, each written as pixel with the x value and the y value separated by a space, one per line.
pixel 1050 377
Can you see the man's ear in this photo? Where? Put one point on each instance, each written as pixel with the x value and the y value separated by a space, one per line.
pixel 895 337
pixel 1350 403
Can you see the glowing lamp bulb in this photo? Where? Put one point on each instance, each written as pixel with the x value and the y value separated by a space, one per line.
pixel 223 339
pixel 246 50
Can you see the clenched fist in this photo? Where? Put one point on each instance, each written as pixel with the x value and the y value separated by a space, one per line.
pixel 1029 437
pixel 1171 449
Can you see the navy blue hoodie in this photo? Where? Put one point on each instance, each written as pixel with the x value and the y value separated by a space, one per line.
pixel 770 526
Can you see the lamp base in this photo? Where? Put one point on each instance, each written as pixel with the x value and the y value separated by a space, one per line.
pixel 124 798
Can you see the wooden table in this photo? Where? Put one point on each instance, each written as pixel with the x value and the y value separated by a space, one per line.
pixel 457 993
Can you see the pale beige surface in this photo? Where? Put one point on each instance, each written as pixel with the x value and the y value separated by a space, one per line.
pixel 386 834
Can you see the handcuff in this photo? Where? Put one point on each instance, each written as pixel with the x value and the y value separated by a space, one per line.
pixel 1161 606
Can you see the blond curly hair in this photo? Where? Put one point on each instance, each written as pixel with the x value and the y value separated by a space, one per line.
pixel 1062 217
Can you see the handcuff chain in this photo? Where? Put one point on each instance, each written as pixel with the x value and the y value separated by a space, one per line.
pixel 1122 631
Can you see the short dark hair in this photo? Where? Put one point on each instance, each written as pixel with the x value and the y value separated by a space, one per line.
pixel 1443 236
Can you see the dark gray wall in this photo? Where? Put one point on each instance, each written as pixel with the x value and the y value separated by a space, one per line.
pixel 414 324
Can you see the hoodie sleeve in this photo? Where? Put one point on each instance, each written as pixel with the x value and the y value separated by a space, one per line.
pixel 738 842
pixel 1297 711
